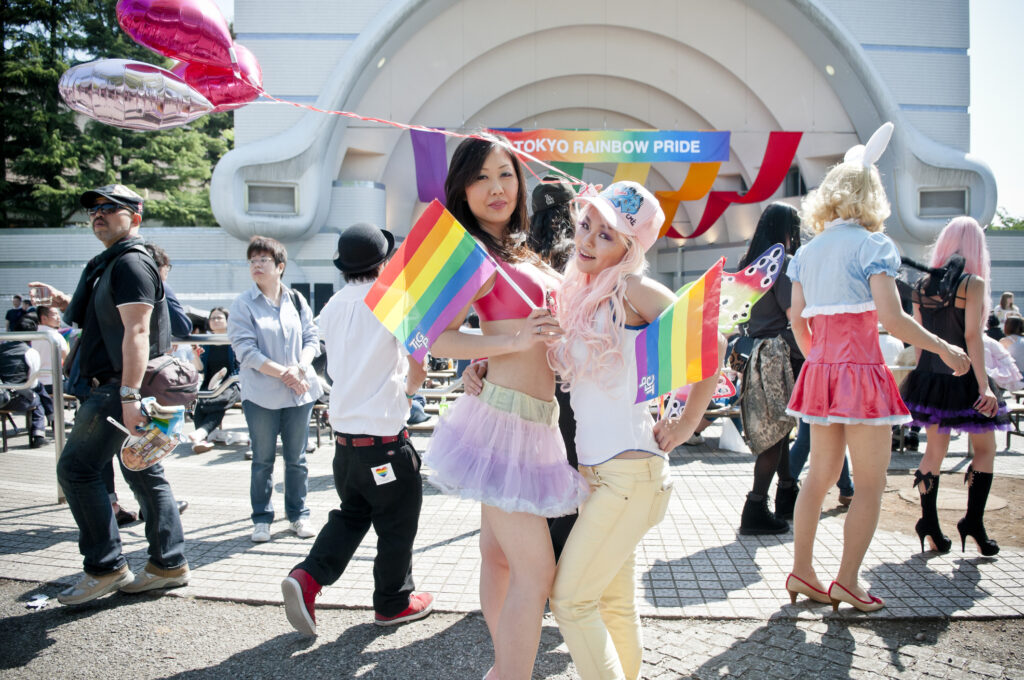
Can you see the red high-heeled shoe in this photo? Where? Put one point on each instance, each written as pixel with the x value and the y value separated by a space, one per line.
pixel 797 586
pixel 872 604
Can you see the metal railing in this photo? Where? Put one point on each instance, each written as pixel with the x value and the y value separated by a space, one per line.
pixel 58 387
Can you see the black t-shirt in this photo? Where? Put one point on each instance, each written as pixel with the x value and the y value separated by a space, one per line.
pixel 768 317
pixel 133 279
pixel 12 315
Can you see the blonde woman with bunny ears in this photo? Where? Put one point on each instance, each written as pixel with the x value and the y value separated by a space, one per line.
pixel 603 303
pixel 843 285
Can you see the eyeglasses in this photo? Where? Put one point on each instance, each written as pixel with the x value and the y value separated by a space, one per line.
pixel 106 208
pixel 218 318
pixel 260 260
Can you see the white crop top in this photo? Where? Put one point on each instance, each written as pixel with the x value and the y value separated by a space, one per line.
pixel 608 422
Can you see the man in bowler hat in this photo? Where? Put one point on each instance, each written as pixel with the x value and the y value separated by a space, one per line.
pixel 376 467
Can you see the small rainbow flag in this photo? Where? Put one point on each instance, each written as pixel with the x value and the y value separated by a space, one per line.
pixel 681 346
pixel 435 273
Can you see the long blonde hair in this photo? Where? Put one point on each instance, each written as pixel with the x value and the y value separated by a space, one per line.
pixel 591 312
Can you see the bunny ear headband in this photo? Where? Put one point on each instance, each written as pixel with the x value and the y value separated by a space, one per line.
pixel 868 154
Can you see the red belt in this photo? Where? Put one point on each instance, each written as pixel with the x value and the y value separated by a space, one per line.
pixel 349 440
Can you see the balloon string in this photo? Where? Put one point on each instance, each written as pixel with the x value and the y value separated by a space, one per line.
pixel 522 155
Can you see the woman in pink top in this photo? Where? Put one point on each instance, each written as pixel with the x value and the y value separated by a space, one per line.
pixel 502 447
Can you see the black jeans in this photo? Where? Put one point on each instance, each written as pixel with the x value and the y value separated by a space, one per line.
pixel 93 442
pixel 378 485
pixel 561 527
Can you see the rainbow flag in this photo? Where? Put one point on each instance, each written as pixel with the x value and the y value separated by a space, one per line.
pixel 435 273
pixel 681 346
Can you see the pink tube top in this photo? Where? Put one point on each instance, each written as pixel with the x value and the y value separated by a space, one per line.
pixel 503 302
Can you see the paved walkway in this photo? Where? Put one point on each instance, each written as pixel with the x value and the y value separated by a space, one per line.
pixel 694 564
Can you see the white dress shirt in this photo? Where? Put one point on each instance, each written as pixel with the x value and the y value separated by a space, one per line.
pixel 367 365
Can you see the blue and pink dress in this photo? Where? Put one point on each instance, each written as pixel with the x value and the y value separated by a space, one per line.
pixel 844 378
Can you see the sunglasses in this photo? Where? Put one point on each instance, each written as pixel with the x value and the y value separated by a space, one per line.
pixel 107 208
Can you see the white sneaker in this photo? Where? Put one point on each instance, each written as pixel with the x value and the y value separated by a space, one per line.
pixel 90 587
pixel 248 454
pixel 219 437
pixel 310 446
pixel 202 447
pixel 261 533
pixel 695 440
pixel 153 578
pixel 302 529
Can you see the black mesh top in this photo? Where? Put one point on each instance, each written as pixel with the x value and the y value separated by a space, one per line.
pixel 941 316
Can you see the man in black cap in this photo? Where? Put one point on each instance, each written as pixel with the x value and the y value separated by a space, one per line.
pixel 376 467
pixel 552 222
pixel 119 304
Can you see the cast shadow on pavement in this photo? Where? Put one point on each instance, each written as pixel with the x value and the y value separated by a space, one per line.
pixel 463 650
pixel 723 568
pixel 27 636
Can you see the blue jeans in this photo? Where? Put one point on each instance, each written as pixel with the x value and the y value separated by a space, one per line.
pixel 90 446
pixel 28 401
pixel 265 425
pixel 802 448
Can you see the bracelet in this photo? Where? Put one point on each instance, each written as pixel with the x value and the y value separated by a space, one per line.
pixel 410 396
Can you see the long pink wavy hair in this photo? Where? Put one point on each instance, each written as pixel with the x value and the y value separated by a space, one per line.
pixel 964 236
pixel 591 312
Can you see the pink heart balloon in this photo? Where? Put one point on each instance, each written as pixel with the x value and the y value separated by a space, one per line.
pixel 220 85
pixel 186 30
pixel 131 94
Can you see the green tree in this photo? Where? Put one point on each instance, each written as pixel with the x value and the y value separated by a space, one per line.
pixel 1007 222
pixel 51 155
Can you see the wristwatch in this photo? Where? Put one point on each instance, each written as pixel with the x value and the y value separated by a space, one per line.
pixel 130 394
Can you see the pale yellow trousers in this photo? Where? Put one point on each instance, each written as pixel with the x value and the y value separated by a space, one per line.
pixel 594 596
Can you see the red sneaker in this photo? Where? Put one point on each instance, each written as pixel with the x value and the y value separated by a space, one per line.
pixel 420 605
pixel 300 591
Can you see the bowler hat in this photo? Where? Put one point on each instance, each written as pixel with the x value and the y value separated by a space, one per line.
pixel 362 247
pixel 118 193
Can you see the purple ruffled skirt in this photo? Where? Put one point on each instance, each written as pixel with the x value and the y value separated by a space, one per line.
pixel 503 448
pixel 947 401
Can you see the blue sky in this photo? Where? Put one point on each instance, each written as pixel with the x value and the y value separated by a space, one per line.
pixel 997 96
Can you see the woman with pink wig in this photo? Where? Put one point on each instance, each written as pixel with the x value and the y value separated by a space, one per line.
pixel 953 302
pixel 604 301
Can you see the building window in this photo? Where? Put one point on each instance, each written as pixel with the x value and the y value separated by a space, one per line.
pixel 794 184
pixel 942 202
pixel 272 199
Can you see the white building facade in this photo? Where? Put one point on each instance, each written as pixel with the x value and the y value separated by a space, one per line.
pixel 833 70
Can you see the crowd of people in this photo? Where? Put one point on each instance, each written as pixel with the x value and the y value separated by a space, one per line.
pixel 569 472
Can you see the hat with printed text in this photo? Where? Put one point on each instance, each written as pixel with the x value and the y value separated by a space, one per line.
pixel 629 208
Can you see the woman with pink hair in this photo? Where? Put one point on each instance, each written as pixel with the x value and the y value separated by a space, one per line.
pixel 604 302
pixel 953 302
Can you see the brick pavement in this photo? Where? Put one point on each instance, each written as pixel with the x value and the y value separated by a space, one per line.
pixel 692 565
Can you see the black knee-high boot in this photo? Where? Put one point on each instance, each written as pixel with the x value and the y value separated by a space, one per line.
pixel 978 486
pixel 928 525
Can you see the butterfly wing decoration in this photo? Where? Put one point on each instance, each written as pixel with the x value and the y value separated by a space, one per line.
pixel 741 290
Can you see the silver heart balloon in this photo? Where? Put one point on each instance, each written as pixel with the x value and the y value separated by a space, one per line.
pixel 131 94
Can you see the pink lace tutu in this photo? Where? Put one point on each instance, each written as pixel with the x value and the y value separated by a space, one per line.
pixel 845 379
pixel 503 448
